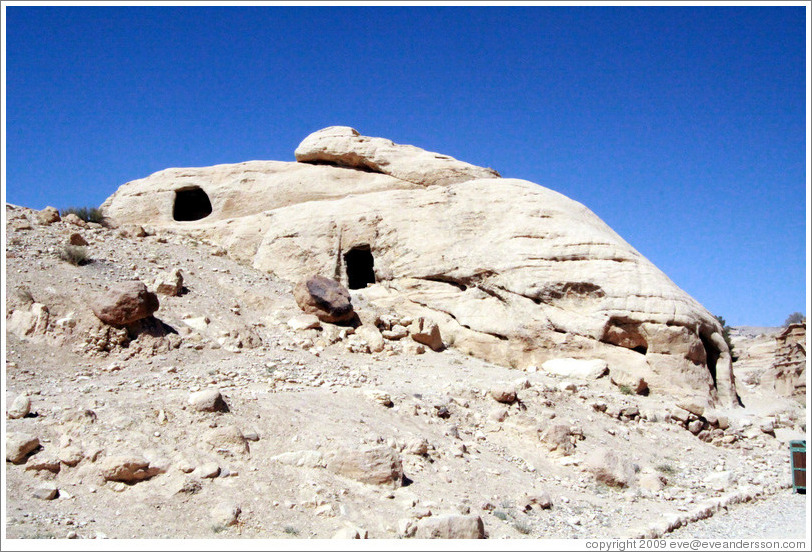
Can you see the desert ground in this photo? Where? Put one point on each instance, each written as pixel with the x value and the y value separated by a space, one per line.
pixel 230 416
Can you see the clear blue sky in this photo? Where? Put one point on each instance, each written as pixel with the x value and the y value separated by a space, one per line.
pixel 682 127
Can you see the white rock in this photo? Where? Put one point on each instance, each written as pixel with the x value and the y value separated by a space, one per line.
pixel 20 407
pixel 576 368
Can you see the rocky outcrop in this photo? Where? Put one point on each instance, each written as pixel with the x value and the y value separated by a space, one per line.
pixel 345 147
pixel 787 375
pixel 508 270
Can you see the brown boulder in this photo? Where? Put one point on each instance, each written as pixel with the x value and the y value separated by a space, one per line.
pixel 326 298
pixel 427 332
pixel 48 215
pixel 124 303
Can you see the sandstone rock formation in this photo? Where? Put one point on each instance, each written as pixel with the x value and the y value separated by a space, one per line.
pixel 508 270
pixel 787 375
pixel 124 304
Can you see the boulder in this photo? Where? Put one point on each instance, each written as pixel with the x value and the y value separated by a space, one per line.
pixel 627 379
pixel 20 407
pixel 304 322
pixel 503 393
pixel 378 465
pixel 77 239
pixel 19 446
pixel 576 368
pixel 225 514
pixel 169 283
pixel 228 440
pixel 208 400
pixel 608 467
pixel 127 468
pixel 49 215
pixel 73 218
pixel 326 298
pixel 124 303
pixel 426 332
pixel 371 336
pixel 452 526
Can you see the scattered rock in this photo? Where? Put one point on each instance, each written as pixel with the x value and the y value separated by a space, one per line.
pixel 301 459
pixel 326 298
pixel 73 218
pixel 351 533
pixel 71 455
pixel 396 333
pixel 228 439
pixel 49 215
pixel 124 303
pixel 694 405
pixel 20 408
pixel 379 465
pixel 126 468
pixel 208 400
pixel 169 283
pixel 19 446
pixel 206 470
pixel 379 397
pixel 451 526
pixel 653 482
pixel 540 501
pixel 77 239
pixel 417 446
pixel 608 467
pixel 427 332
pixel 503 393
pixel 628 379
pixel 304 322
pixel 43 462
pixel 225 514
pixel 372 336
pixel 46 491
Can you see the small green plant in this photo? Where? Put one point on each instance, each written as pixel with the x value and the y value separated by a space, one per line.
pixel 218 528
pixel 74 254
pixel 87 214
pixel 795 318
pixel 500 514
pixel 522 527
pixel 291 530
pixel 726 335
pixel 625 389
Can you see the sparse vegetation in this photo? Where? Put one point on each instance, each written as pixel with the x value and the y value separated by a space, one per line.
pixel 500 514
pixel 625 389
pixel 87 214
pixel 795 318
pixel 726 336
pixel 667 469
pixel 522 527
pixel 74 254
pixel 290 530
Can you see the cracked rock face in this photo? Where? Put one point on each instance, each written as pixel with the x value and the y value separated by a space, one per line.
pixel 508 270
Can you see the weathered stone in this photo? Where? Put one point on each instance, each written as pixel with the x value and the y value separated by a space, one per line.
pixel 379 397
pixel 71 455
pixel 379 465
pixel 225 514
pixel 206 470
pixel 199 323
pixel 126 468
pixel 541 501
pixel 695 405
pixel 696 426
pixel 451 527
pixel 49 215
pixel 228 439
pixel 20 407
pixel 427 332
pixel 416 446
pixel 43 462
pixel 609 468
pixel 19 446
pixel 304 322
pixel 576 368
pixel 77 239
pixel 326 298
pixel 46 491
pixel 396 333
pixel 503 393
pixel 652 482
pixel 73 218
pixel 301 459
pixel 169 283
pixel 372 336
pixel 628 379
pixel 208 400
pixel 558 438
pixel 124 303
pixel 552 274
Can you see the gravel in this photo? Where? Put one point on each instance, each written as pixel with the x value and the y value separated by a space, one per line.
pixel 780 516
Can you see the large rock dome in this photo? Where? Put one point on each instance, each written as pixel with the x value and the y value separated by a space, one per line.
pixel 511 271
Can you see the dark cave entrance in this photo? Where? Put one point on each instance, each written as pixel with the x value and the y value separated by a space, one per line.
pixel 712 356
pixel 360 267
pixel 191 204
